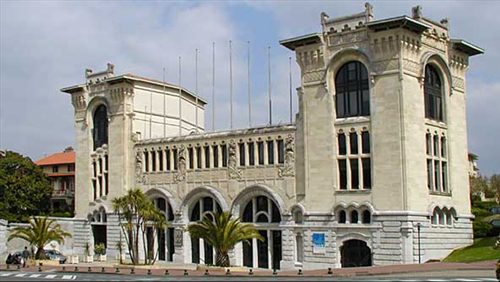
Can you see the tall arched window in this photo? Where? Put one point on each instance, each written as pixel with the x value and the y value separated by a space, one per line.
pixel 433 93
pixel 205 206
pixel 165 237
pixel 266 216
pixel 352 93
pixel 100 130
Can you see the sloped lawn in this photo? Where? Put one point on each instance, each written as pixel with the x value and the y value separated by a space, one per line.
pixel 481 250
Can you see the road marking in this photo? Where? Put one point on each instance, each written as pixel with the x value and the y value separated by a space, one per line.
pixel 6 274
pixel 51 276
pixel 437 280
pixel 487 279
pixel 20 275
pixel 68 277
pixel 34 275
pixel 466 280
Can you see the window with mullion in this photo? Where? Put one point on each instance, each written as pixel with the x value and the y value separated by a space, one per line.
pixel 352 90
pixel 433 93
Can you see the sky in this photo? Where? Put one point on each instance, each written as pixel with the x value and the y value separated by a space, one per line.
pixel 47 45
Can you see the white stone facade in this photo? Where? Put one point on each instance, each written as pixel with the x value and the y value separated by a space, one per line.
pixel 297 182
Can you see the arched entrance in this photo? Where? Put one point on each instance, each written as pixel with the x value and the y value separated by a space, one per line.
pixel 200 250
pixel 99 221
pixel 165 238
pixel 355 253
pixel 265 214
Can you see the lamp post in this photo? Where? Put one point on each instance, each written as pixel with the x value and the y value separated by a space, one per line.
pixel 418 234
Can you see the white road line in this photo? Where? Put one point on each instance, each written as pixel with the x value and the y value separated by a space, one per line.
pixel 51 276
pixel 466 280
pixel 20 275
pixel 437 280
pixel 487 279
pixel 68 277
pixel 6 274
pixel 35 275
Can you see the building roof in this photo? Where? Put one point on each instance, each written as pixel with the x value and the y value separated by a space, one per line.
pixel 397 22
pixel 466 47
pixel 57 158
pixel 303 40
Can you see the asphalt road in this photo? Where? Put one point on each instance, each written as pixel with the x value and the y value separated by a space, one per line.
pixel 458 276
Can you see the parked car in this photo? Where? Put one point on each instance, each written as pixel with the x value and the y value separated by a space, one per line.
pixel 15 258
pixel 55 255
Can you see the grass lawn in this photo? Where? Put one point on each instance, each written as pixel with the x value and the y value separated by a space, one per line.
pixel 481 250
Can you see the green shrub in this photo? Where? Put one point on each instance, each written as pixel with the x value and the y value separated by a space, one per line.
pixel 478 212
pixel 485 205
pixel 100 249
pixel 481 228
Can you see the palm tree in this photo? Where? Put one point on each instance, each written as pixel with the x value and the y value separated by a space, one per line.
pixel 223 233
pixel 39 233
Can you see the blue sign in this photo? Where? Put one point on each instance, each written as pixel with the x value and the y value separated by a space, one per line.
pixel 319 243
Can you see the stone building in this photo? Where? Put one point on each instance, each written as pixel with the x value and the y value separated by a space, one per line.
pixel 374 166
pixel 60 170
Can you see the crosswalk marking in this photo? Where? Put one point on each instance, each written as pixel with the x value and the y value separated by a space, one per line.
pixel 20 275
pixel 51 276
pixel 6 274
pixel 68 277
pixel 34 275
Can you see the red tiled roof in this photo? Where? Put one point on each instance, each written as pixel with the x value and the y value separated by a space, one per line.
pixel 57 158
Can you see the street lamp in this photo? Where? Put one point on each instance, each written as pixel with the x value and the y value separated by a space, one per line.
pixel 418 234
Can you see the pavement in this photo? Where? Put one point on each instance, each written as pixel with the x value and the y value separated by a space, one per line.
pixel 426 270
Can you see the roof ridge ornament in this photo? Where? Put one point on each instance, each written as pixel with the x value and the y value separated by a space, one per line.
pixel 369 12
pixel 416 12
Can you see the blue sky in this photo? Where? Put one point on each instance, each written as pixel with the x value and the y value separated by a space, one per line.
pixel 46 45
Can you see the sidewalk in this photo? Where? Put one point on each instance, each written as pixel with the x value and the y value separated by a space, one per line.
pixel 189 269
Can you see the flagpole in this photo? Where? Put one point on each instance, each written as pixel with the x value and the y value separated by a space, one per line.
pixel 269 84
pixel 249 89
pixel 213 86
pixel 291 100
pixel 231 83
pixel 196 97
pixel 180 98
pixel 164 107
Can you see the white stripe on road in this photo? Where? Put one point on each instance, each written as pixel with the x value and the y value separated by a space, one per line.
pixel 51 276
pixel 487 279
pixel 68 277
pixel 6 274
pixel 35 275
pixel 467 280
pixel 20 275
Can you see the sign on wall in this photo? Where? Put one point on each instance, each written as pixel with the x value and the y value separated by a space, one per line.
pixel 319 243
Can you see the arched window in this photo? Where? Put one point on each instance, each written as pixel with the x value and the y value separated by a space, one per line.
pixel 342 217
pixel 201 250
pixel 354 217
pixel 204 206
pixel 266 216
pixel 366 216
pixel 100 130
pixel 433 93
pixel 352 93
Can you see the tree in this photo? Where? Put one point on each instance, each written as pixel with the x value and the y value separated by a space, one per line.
pixel 24 188
pixel 137 215
pixel 39 233
pixel 495 185
pixel 478 187
pixel 223 233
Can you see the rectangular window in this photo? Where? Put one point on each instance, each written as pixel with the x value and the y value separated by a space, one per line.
pixel 167 155
pixel 430 182
pixel 191 158
pixel 251 153
pixel 367 173
pixel 281 151
pixel 353 141
pixel 260 148
pixel 224 155
pixel 198 157
pixel 71 167
pixel 343 174
pixel 353 103
pixel 270 152
pixel 105 163
pixel 100 166
pixel 207 157
pixel 94 168
pixel 443 147
pixel 437 176
pixel 94 186
pixel 146 161
pixel 55 168
pixel 365 139
pixel 242 153
pixel 342 145
pixel 101 191
pixel 106 183
pixel 174 155
pixel 444 172
pixel 153 161
pixel 215 150
pixel 354 173
pixel 428 144
pixel 365 103
pixel 436 145
pixel 160 160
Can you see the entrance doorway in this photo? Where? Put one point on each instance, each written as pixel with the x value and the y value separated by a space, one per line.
pixel 165 237
pixel 355 253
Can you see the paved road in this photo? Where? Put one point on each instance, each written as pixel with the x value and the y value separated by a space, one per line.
pixel 461 276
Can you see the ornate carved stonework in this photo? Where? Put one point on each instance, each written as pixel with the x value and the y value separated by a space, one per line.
pixel 313 76
pixel 289 168
pixel 181 169
pixel 385 65
pixel 458 82
pixel 339 39
pixel 411 66
pixel 139 176
pixel 78 101
pixel 178 237
pixel 232 169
